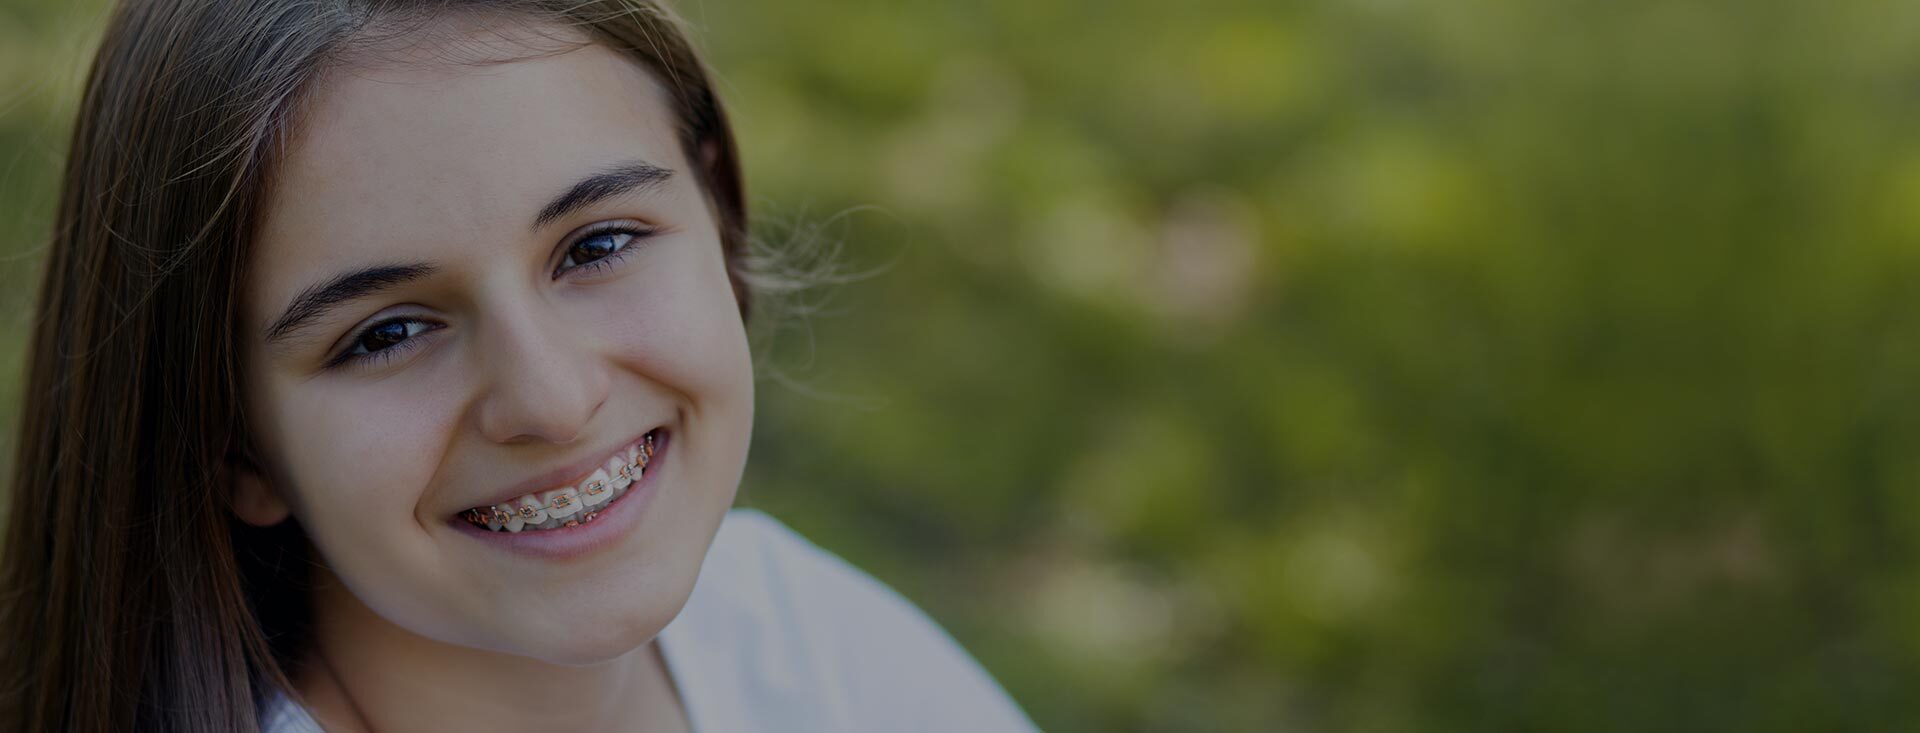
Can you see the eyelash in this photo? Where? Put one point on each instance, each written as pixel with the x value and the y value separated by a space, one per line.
pixel 374 358
pixel 614 257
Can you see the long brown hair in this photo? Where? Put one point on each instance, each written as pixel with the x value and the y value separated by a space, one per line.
pixel 130 598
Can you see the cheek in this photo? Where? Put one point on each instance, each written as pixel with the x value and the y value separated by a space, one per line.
pixel 677 325
pixel 360 461
pixel 369 445
pixel 682 340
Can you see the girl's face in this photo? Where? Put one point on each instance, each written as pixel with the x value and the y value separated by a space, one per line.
pixel 476 283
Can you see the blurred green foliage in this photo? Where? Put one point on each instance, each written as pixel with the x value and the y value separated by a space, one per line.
pixel 1326 364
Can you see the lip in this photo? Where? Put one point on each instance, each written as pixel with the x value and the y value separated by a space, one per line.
pixel 614 520
pixel 569 475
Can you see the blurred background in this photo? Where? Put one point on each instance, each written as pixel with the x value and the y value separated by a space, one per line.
pixel 1323 365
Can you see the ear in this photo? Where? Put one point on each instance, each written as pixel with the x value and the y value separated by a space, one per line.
pixel 254 498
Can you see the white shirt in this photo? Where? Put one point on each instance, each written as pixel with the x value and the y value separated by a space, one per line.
pixel 781 635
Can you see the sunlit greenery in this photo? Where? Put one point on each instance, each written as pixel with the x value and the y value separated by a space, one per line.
pixel 1325 365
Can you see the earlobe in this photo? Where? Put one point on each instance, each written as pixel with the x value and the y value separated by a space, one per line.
pixel 254 499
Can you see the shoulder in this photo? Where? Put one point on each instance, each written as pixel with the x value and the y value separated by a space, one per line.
pixel 280 714
pixel 774 614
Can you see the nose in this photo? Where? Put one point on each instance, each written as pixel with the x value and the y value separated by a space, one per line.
pixel 543 382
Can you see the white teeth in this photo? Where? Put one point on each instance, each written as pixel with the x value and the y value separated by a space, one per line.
pixel 531 509
pixel 514 521
pixel 612 471
pixel 598 489
pixel 563 503
pixel 593 500
pixel 628 471
pixel 554 509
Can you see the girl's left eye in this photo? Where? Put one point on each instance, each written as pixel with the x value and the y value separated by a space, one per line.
pixel 600 249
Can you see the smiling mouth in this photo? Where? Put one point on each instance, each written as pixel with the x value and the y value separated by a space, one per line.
pixel 569 506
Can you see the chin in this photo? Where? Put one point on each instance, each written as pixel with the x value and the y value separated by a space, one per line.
pixel 600 649
pixel 590 652
pixel 612 637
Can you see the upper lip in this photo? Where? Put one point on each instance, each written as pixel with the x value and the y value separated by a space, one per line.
pixel 570 474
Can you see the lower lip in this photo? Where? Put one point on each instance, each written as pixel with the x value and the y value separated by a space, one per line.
pixel 612 522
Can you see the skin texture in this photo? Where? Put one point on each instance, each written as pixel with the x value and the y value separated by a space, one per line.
pixel 512 371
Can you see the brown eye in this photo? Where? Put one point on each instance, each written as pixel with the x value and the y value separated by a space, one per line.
pixel 383 335
pixel 383 340
pixel 595 247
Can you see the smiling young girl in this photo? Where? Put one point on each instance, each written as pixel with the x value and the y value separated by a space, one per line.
pixel 390 372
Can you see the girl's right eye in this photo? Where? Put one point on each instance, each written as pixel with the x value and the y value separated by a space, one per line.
pixel 382 341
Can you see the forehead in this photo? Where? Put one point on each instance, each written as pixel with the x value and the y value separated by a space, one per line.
pixel 411 152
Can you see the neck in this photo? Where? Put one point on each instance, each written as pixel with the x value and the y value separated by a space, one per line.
pixel 368 674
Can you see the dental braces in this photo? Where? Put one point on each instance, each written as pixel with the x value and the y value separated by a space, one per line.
pixel 596 488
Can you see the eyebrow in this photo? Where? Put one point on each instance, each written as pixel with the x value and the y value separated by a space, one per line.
pixel 311 304
pixel 621 178
pixel 316 300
